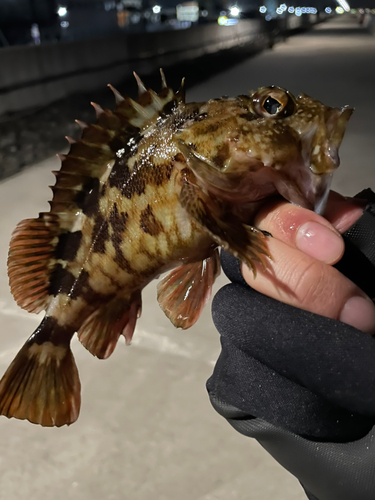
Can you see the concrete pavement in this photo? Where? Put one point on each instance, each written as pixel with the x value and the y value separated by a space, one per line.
pixel 146 429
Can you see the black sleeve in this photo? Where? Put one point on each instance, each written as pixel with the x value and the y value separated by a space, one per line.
pixel 302 384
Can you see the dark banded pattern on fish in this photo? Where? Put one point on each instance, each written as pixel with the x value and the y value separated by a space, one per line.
pixel 156 184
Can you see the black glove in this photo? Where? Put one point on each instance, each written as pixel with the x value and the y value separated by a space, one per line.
pixel 303 385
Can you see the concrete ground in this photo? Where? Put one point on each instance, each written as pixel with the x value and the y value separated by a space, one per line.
pixel 147 429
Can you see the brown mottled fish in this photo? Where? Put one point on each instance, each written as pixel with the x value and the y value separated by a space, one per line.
pixel 156 184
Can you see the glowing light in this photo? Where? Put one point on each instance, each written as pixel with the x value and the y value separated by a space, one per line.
pixel 291 10
pixel 279 11
pixel 328 10
pixel 188 12
pixel 62 11
pixel 268 17
pixel 156 9
pixel 234 11
pixel 64 24
pixel 262 9
pixel 298 12
pixel 283 7
pixel 339 10
pixel 224 21
pixel 344 4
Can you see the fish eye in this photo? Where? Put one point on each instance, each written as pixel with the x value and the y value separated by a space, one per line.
pixel 273 102
pixel 272 106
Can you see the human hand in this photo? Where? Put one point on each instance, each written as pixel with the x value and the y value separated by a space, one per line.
pixel 304 247
pixel 300 383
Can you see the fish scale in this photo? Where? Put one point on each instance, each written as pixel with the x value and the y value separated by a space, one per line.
pixel 155 185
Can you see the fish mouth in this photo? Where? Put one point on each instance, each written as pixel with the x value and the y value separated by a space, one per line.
pixel 313 197
pixel 308 182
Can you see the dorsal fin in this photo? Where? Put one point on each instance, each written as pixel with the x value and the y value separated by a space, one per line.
pixel 90 156
pixel 36 242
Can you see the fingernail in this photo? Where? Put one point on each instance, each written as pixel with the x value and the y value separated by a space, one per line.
pixel 360 313
pixel 320 242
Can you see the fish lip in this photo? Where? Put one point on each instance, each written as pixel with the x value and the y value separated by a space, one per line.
pixel 321 191
pixel 312 193
pixel 326 159
pixel 336 122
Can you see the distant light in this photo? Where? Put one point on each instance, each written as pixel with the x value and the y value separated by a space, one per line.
pixel 268 17
pixel 64 24
pixel 188 12
pixel 283 7
pixel 344 4
pixel 204 13
pixel 328 10
pixel 62 11
pixel 109 5
pixel 314 10
pixel 135 18
pixel 340 10
pixel 279 11
pixel 263 9
pixel 156 9
pixel 291 10
pixel 234 11
pixel 224 21
pixel 298 12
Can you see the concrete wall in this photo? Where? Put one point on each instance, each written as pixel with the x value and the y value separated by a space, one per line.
pixel 34 76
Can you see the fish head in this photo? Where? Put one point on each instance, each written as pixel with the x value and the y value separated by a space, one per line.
pixel 313 133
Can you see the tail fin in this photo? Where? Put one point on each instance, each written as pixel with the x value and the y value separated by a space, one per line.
pixel 42 385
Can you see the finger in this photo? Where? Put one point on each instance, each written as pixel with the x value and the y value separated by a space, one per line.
pixel 308 231
pixel 303 229
pixel 302 281
pixel 343 212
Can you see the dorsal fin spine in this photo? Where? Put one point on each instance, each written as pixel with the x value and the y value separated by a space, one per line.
pixel 141 86
pixel 163 80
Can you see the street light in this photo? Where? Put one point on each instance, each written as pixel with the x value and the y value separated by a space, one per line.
pixel 62 11
pixel 234 11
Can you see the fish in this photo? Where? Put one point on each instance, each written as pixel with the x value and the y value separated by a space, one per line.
pixel 157 185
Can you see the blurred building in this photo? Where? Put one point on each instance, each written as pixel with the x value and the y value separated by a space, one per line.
pixel 39 21
pixel 34 21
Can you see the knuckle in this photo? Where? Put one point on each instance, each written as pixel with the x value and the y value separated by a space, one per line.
pixel 312 288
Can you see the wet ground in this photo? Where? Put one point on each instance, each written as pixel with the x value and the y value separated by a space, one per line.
pixel 146 429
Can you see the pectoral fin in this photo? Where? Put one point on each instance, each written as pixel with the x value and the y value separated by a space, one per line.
pixel 245 242
pixel 184 292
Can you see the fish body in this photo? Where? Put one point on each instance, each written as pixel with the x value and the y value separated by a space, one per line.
pixel 156 185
